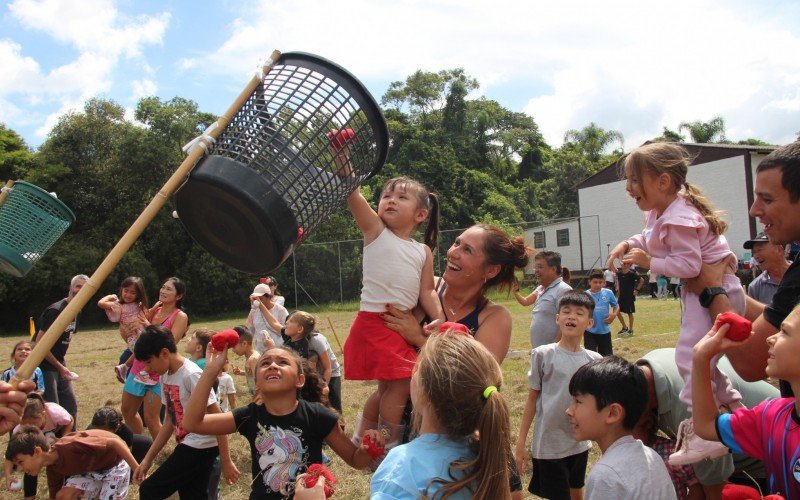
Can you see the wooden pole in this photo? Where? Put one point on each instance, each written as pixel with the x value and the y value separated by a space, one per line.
pixel 75 305
pixel 334 335
pixel 4 193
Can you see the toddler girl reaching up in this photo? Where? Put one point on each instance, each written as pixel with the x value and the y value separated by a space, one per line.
pixel 682 231
pixel 126 309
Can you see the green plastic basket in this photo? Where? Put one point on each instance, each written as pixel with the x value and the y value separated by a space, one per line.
pixel 31 220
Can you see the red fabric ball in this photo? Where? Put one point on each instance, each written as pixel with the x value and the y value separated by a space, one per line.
pixel 224 338
pixel 341 138
pixel 313 474
pixel 453 327
pixel 740 327
pixel 373 450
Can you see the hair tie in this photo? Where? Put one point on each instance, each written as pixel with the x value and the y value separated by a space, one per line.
pixel 488 391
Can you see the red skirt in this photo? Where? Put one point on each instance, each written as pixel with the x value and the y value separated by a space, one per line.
pixel 373 351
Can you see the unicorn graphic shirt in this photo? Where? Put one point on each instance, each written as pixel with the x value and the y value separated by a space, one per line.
pixel 281 447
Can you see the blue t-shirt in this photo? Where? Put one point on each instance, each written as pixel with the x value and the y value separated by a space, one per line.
pixel 604 301
pixel 408 468
pixel 37 377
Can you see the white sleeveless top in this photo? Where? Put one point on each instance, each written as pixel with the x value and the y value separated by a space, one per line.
pixel 392 272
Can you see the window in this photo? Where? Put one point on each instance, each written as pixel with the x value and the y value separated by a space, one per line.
pixel 562 237
pixel 539 240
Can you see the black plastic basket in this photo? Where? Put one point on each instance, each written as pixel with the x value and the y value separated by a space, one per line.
pixel 270 179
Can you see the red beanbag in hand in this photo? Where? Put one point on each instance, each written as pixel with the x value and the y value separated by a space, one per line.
pixel 373 450
pixel 224 338
pixel 740 327
pixel 341 138
pixel 313 474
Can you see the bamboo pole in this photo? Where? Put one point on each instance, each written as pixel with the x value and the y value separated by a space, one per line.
pixel 4 193
pixel 77 303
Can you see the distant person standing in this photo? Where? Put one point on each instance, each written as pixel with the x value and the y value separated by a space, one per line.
pixel 771 259
pixel 57 377
pixel 545 297
pixel 652 281
pixel 608 275
pixel 629 284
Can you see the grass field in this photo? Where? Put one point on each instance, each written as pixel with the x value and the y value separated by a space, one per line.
pixel 93 354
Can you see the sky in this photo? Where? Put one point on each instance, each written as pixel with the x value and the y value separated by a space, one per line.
pixel 630 66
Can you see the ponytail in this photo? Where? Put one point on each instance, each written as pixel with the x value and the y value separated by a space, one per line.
pixel 703 205
pixel 432 229
pixel 460 378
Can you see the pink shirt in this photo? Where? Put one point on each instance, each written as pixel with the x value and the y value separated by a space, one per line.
pixel 769 432
pixel 679 241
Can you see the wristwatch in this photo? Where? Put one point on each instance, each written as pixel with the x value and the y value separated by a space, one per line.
pixel 708 294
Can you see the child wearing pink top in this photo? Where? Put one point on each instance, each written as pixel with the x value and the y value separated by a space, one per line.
pixel 682 231
pixel 770 431
pixel 128 310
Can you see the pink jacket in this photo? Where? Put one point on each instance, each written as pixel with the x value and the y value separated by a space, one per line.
pixel 680 241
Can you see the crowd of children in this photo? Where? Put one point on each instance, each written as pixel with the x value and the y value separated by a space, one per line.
pixel 579 393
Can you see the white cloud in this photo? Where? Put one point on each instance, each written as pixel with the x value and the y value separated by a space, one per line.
pixel 100 35
pixel 627 65
pixel 19 72
pixel 143 88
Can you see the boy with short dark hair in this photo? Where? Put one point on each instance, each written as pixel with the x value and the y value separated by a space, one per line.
pixel 196 346
pixel 598 337
pixel 559 460
pixel 246 349
pixel 89 464
pixel 189 466
pixel 609 396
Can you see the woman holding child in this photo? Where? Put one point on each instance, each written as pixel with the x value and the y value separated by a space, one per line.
pixel 483 257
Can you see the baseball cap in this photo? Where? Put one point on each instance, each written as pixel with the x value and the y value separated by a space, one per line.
pixel 261 289
pixel 761 238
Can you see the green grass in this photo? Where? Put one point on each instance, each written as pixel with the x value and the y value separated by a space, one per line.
pixel 93 354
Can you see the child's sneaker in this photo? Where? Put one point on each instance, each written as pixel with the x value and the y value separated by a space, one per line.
pixel 691 448
pixel 144 378
pixel 629 334
pixel 622 332
pixel 121 372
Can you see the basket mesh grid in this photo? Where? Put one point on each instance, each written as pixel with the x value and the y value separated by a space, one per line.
pixel 31 220
pixel 280 133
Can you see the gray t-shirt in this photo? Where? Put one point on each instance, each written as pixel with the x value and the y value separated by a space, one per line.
pixel 763 288
pixel 543 326
pixel 317 344
pixel 629 469
pixel 551 369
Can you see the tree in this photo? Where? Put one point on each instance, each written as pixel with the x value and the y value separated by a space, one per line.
pixel 16 159
pixel 592 140
pixel 705 132
pixel 669 136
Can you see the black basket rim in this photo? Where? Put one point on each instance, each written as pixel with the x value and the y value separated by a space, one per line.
pixel 379 125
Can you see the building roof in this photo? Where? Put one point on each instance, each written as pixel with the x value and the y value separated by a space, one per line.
pixel 702 153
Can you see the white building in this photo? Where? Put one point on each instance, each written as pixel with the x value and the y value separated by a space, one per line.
pixel 724 172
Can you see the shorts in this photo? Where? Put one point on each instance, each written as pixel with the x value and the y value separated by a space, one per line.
pixel 373 351
pixel 108 484
pixel 627 306
pixel 554 478
pixel 139 390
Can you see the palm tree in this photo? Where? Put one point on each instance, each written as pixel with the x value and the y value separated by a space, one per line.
pixel 592 139
pixel 702 132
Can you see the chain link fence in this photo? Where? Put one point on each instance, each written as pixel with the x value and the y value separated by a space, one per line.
pixel 330 272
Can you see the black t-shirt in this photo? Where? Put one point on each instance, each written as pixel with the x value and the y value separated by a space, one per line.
pixel 784 300
pixel 298 346
pixel 59 349
pixel 627 283
pixel 281 447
